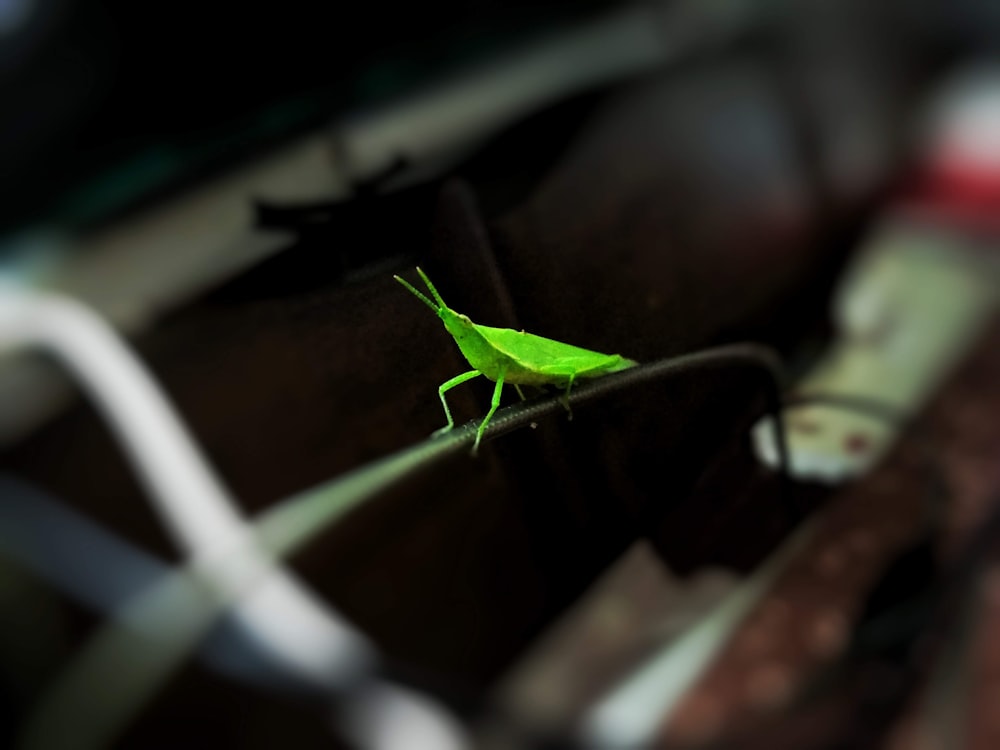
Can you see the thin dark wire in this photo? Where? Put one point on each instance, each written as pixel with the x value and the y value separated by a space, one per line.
pixel 749 355
pixel 292 522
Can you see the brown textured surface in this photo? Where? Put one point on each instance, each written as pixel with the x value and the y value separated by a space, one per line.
pixel 982 716
pixel 805 619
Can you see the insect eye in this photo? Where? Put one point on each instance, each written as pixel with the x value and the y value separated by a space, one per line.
pixel 465 318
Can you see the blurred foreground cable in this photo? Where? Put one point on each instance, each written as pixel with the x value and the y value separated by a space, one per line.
pixel 311 640
pixel 101 571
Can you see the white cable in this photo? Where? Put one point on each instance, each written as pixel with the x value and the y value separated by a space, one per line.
pixel 188 495
pixel 311 639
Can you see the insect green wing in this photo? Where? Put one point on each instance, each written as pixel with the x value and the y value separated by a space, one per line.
pixel 541 354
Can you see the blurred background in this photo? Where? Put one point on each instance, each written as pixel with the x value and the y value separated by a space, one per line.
pixel 222 520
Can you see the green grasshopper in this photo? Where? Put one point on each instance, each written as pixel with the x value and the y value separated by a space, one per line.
pixel 504 355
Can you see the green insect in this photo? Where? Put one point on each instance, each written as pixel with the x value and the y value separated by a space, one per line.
pixel 504 355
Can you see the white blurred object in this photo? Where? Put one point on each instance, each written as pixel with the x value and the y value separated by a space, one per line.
pixel 390 717
pixel 961 123
pixel 907 311
pixel 915 299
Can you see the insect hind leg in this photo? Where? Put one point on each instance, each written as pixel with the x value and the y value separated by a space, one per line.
pixel 565 397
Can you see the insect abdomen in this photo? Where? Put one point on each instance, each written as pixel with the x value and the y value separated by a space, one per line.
pixel 519 375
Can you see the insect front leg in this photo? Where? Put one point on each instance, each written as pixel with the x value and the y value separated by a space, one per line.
pixel 445 387
pixel 489 415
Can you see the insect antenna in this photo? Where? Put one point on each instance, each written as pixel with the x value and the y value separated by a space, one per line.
pixel 418 294
pixel 431 287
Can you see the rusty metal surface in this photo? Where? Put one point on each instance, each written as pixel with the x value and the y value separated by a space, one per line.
pixel 806 619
